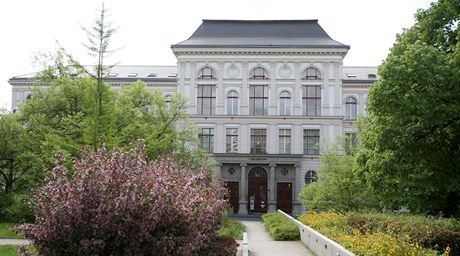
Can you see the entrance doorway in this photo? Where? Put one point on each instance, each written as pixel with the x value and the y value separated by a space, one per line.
pixel 284 196
pixel 232 196
pixel 257 190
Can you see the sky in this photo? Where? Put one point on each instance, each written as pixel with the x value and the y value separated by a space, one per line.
pixel 147 28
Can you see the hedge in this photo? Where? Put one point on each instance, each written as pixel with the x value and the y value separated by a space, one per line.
pixel 280 227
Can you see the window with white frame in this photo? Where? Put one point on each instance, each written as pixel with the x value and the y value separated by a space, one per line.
pixel 258 100
pixel 311 142
pixel 206 100
pixel 232 103
pixel 258 141
pixel 231 140
pixel 206 138
pixel 311 73
pixel 350 108
pixel 206 73
pixel 284 141
pixel 259 73
pixel 310 177
pixel 285 103
pixel 311 100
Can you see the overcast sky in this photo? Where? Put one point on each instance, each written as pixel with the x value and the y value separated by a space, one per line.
pixel 147 28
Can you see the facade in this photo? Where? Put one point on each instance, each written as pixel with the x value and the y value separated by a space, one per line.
pixel 269 96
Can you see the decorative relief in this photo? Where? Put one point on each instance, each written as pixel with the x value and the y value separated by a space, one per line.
pixel 284 171
pixel 285 71
pixel 231 170
pixel 233 71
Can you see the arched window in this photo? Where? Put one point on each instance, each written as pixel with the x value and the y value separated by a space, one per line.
pixel 350 108
pixel 310 177
pixel 259 73
pixel 232 103
pixel 285 103
pixel 207 73
pixel 257 172
pixel 311 73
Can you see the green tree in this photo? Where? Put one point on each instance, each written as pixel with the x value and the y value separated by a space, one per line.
pixel 98 46
pixel 411 144
pixel 339 185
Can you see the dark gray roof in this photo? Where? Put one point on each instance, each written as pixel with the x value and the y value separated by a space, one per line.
pixel 260 34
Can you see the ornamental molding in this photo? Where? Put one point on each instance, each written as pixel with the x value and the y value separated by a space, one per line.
pixel 356 85
pixel 262 51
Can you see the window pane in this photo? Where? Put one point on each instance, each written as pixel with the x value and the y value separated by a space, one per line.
pixel 311 142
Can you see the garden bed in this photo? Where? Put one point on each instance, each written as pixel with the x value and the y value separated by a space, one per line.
pixel 379 234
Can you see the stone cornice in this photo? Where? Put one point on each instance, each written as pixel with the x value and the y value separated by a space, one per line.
pixel 260 51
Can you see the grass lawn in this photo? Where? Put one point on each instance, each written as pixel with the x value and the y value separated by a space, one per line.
pixel 6 231
pixel 9 250
pixel 232 228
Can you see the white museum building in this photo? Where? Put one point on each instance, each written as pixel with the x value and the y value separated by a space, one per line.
pixel 268 96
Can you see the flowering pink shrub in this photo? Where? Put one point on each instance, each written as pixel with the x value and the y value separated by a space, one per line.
pixel 120 204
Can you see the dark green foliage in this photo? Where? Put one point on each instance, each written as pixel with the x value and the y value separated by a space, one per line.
pixel 280 227
pixel 16 208
pixel 411 143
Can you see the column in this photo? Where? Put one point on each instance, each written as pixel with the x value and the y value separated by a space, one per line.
pixel 271 185
pixel 299 184
pixel 243 194
pixel 297 97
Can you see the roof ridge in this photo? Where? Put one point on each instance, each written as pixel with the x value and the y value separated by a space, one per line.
pixel 225 20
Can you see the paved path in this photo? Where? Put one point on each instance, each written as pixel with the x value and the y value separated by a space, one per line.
pixel 4 241
pixel 261 243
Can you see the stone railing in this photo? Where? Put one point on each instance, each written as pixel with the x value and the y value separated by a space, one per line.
pixel 316 242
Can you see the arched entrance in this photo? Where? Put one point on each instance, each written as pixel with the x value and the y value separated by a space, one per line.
pixel 257 190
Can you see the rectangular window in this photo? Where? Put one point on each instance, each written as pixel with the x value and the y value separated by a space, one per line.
pixel 206 100
pixel 349 142
pixel 258 100
pixel 285 141
pixel 311 100
pixel 232 140
pixel 258 141
pixel 311 142
pixel 206 138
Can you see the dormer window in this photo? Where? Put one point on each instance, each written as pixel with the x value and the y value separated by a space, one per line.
pixel 259 73
pixel 207 73
pixel 311 73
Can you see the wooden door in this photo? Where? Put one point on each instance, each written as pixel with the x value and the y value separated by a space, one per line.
pixel 257 190
pixel 284 196
pixel 232 196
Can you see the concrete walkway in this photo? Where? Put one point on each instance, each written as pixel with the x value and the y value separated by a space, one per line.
pixel 261 243
pixel 5 241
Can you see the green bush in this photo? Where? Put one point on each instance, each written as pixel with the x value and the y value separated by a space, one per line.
pixel 430 232
pixel 387 234
pixel 280 227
